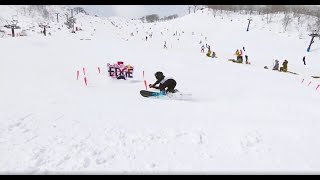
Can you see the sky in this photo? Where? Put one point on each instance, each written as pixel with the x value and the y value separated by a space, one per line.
pixel 135 11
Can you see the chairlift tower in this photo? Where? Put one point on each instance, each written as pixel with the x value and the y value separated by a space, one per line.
pixel 250 19
pixel 57 17
pixel 12 25
pixel 44 26
pixel 314 34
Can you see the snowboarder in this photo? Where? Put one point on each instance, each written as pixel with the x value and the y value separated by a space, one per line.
pixel 276 65
pixel 164 82
pixel 304 60
pixel 202 48
pixel 284 67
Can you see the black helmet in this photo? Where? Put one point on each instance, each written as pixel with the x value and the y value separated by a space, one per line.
pixel 158 75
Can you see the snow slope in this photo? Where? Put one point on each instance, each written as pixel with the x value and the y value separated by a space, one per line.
pixel 241 119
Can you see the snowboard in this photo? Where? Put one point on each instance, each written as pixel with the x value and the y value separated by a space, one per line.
pixel 145 93
pixel 177 95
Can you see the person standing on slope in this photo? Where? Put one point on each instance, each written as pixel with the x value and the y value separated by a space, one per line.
pixel 166 84
pixel 304 60
pixel 202 48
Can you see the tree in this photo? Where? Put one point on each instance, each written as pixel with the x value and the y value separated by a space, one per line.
pixel 80 10
pixel 165 18
pixel 195 8
pixel 317 24
pixel 287 19
pixel 152 18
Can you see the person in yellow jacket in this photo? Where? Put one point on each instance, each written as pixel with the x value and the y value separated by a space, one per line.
pixel 284 67
pixel 237 52
pixel 209 53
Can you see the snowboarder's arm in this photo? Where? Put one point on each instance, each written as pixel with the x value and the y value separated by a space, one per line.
pixel 154 85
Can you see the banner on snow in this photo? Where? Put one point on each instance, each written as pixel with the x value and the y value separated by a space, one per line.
pixel 120 71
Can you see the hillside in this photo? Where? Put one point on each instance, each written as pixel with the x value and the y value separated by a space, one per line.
pixel 241 118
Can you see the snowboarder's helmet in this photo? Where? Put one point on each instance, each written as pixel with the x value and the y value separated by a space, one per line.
pixel 158 75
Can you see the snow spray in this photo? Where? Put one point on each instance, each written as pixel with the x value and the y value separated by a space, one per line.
pixel 78 75
pixel 309 83
pixel 84 71
pixel 99 69
pixel 85 81
pixel 145 84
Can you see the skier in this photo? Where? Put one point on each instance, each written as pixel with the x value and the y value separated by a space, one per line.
pixel 146 38
pixel 304 60
pixel 202 48
pixel 276 66
pixel 164 82
pixel 165 45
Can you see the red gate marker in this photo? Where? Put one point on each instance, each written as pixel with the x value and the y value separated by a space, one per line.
pixel 318 87
pixel 77 75
pixel 99 69
pixel 302 81
pixel 309 83
pixel 84 71
pixel 145 83
pixel 143 74
pixel 85 81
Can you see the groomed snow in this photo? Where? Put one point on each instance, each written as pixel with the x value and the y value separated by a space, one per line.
pixel 241 119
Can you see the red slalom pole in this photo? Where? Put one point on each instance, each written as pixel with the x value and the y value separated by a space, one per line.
pixel 318 87
pixel 302 81
pixel 99 69
pixel 145 83
pixel 84 71
pixel 85 81
pixel 309 83
pixel 78 75
pixel 143 74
